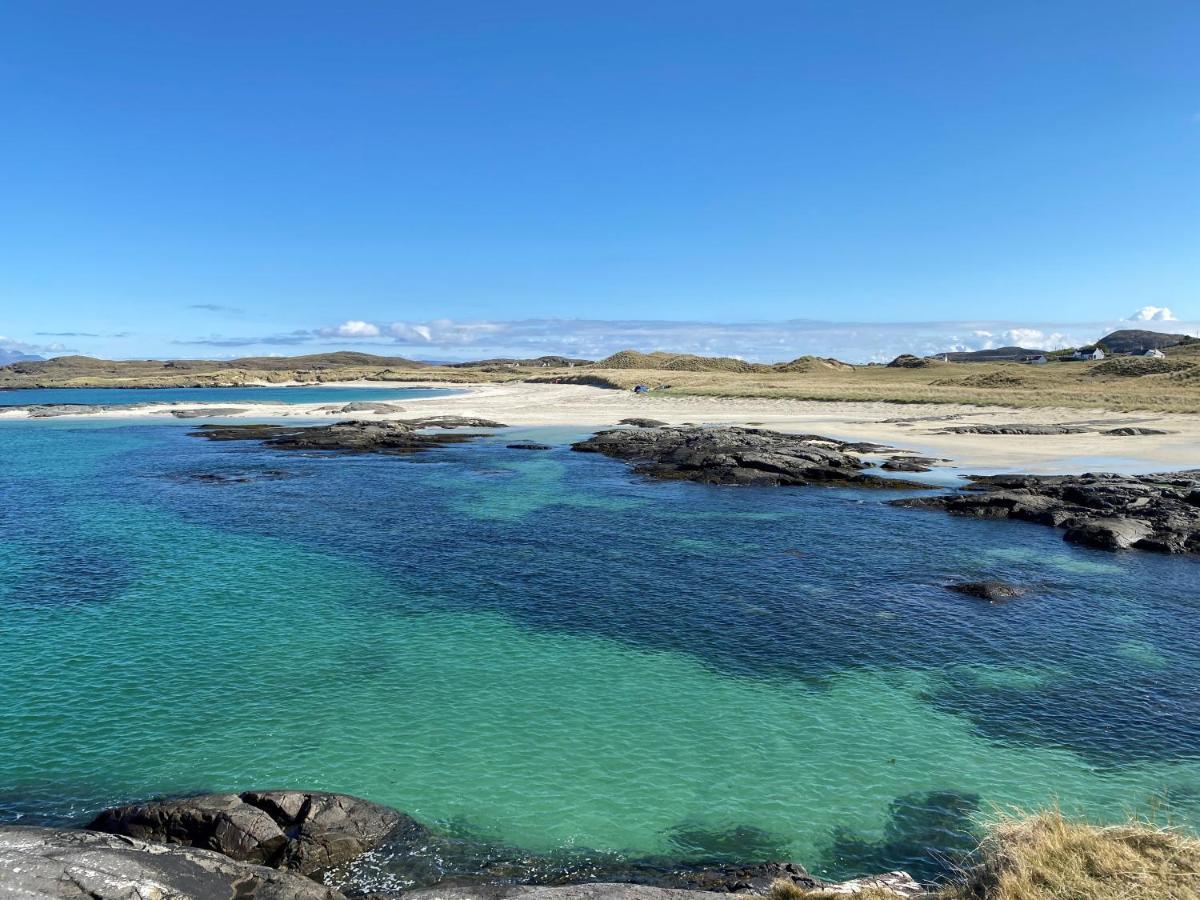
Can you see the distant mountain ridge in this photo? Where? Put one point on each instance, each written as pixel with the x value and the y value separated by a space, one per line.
pixel 11 356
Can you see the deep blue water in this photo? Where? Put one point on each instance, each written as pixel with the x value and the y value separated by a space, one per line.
pixel 298 394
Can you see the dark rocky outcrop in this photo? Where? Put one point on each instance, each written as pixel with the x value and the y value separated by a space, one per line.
pixel 301 831
pixel 395 437
pixel 1016 429
pixel 992 591
pixel 642 423
pixel 363 406
pixel 909 464
pixel 528 445
pixel 733 455
pixel 1133 431
pixel 45 863
pixel 1113 512
pixel 53 410
pixel 208 412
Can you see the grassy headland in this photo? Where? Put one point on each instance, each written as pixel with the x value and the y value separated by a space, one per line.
pixel 1122 383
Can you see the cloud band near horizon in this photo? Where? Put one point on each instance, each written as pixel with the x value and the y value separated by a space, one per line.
pixel 455 340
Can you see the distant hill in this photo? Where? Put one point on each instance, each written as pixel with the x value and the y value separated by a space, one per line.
pixel 1132 340
pixel 540 362
pixel 997 354
pixel 675 362
pixel 81 366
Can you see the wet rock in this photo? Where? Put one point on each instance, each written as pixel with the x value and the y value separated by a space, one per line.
pixel 51 410
pixel 733 455
pixel 301 831
pixel 992 591
pixel 528 445
pixel 908 464
pixel 452 422
pixel 1112 512
pixel 207 412
pixel 643 423
pixel 1133 431
pixel 1016 429
pixel 45 863
pixel 363 406
pixel 392 437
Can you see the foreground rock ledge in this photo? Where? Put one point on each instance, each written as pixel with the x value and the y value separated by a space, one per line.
pixel 87 865
pixel 735 455
pixel 1159 513
pixel 301 831
pixel 259 845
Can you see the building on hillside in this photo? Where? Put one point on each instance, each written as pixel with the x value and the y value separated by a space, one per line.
pixel 1154 353
pixel 1039 360
pixel 1089 353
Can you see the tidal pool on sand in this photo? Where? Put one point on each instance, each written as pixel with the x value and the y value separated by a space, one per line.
pixel 545 651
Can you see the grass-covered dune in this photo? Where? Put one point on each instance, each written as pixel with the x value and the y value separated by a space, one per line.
pixel 1171 384
pixel 1049 857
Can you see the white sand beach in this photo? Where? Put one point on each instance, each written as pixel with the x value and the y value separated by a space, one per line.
pixel 907 426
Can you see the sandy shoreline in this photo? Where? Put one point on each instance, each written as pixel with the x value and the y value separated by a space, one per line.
pixel 906 426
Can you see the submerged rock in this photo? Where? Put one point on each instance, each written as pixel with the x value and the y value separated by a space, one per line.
pixel 1112 512
pixel 301 831
pixel 395 437
pixel 734 455
pixel 528 445
pixel 992 591
pixel 86 865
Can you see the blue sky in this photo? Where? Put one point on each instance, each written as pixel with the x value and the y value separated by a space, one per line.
pixel 464 178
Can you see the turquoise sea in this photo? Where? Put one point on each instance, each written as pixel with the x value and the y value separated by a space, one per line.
pixel 542 652
pixel 129 396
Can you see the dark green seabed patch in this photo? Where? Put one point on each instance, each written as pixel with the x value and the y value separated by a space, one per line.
pixel 543 652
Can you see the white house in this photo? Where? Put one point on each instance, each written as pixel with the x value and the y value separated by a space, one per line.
pixel 1089 353
pixel 1039 360
pixel 1154 353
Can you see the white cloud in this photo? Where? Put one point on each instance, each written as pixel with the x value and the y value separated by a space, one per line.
pixel 1153 314
pixel 451 339
pixel 352 328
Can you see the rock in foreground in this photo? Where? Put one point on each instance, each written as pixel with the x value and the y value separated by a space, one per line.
pixel 1113 512
pixel 45 863
pixel 301 831
pixel 396 437
pixel 734 455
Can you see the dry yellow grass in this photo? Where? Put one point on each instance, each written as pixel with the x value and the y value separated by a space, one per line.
pixel 1074 385
pixel 1049 857
pixel 1046 856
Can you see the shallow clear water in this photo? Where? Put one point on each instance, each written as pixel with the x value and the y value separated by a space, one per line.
pixel 297 394
pixel 540 650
